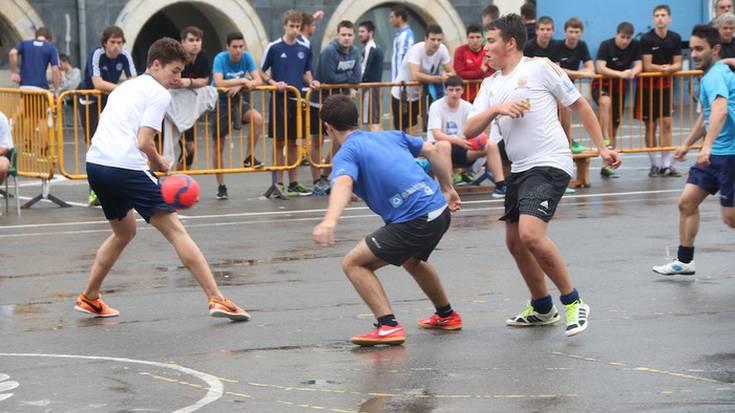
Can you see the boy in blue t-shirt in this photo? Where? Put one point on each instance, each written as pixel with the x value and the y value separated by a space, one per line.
pixel 289 62
pixel 231 69
pixel 715 167
pixel 36 55
pixel 380 168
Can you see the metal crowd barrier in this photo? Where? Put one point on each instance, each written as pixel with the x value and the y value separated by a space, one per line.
pixel 31 113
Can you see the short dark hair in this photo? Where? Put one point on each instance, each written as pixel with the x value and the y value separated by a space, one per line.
pixel 236 35
pixel 44 32
pixel 368 25
pixel 110 32
pixel 662 7
pixel 192 30
pixel 492 10
pixel 474 28
pixel 64 58
pixel 400 11
pixel 511 27
pixel 346 24
pixel 708 33
pixel 433 29
pixel 454 81
pixel 545 20
pixel 528 10
pixel 340 112
pixel 292 15
pixel 575 23
pixel 626 28
pixel 166 50
pixel 306 19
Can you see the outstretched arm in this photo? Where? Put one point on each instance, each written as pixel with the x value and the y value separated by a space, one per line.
pixel 339 196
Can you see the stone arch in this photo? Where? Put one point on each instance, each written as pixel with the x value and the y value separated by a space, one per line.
pixel 439 12
pixel 225 15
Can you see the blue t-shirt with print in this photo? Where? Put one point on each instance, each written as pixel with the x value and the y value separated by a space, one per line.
pixel 386 176
pixel 719 81
pixel 232 70
pixel 36 55
pixel 287 62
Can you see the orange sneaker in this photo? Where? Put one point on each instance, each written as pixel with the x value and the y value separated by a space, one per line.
pixel 451 322
pixel 224 308
pixel 383 335
pixel 97 307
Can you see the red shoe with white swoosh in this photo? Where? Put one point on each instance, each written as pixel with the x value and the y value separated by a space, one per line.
pixel 451 322
pixel 97 307
pixel 383 335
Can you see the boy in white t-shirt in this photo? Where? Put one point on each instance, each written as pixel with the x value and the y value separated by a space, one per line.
pixel 423 63
pixel 6 143
pixel 117 170
pixel 447 117
pixel 521 99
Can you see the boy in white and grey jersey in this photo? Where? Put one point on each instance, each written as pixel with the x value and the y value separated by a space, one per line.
pixel 521 99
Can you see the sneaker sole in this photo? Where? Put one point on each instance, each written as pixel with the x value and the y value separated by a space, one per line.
pixel 84 310
pixel 668 274
pixel 447 328
pixel 378 342
pixel 513 323
pixel 580 329
pixel 231 316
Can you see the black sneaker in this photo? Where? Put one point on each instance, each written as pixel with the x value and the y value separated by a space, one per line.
pixel 654 171
pixel 221 192
pixel 669 172
pixel 252 162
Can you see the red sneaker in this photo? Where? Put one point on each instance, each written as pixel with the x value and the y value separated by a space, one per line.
pixel 383 335
pixel 97 307
pixel 451 322
pixel 224 308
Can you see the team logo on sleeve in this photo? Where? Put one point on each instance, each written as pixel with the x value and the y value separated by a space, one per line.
pixel 396 200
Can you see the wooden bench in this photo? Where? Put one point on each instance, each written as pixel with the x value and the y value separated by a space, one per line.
pixel 582 180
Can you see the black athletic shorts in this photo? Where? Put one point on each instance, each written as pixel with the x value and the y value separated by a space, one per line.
pixel 397 243
pixel 405 114
pixel 535 192
pixel 282 121
pixel 459 157
pixel 651 104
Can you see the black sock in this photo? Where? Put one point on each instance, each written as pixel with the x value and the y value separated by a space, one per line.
pixel 388 320
pixel 685 254
pixel 316 181
pixel 500 183
pixel 279 183
pixel 542 305
pixel 325 177
pixel 292 184
pixel 445 311
pixel 570 298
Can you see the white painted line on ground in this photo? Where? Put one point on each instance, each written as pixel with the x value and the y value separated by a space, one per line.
pixel 214 392
pixel 303 211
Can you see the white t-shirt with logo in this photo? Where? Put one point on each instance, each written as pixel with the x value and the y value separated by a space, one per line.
pixel 449 121
pixel 536 139
pixel 431 65
pixel 6 140
pixel 136 103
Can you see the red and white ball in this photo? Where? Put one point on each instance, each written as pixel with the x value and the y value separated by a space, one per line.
pixel 180 191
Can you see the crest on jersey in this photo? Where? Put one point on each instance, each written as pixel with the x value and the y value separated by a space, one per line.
pixel 301 55
pixel 119 66
pixel 522 82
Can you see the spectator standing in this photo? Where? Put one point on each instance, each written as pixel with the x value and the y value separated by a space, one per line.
pixel 528 14
pixel 722 7
pixel 423 63
pixel 618 60
pixel 289 63
pixel 398 18
pixel 489 13
pixel 470 61
pixel 570 54
pixel 661 51
pixel 235 69
pixel 371 62
pixel 36 55
pixel 197 73
pixel 542 44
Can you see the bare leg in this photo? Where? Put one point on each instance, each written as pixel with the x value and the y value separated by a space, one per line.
pixel 316 155
pixel 532 232
pixel 219 146
pixel 293 156
pixel 280 161
pixel 4 168
pixel 255 121
pixel 532 273
pixel 728 216
pixel 494 163
pixel 604 113
pixel 123 232
pixel 359 266
pixel 689 203
pixel 428 279
pixel 191 256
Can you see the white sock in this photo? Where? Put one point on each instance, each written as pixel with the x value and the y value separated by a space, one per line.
pixel 652 158
pixel 665 159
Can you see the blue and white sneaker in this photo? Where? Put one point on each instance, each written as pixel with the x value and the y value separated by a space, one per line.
pixel 499 191
pixel 530 317
pixel 675 267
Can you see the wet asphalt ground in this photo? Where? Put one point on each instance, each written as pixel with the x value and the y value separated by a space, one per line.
pixel 654 344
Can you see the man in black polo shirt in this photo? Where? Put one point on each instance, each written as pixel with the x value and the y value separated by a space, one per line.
pixel 569 54
pixel 661 49
pixel 541 45
pixel 619 60
pixel 195 75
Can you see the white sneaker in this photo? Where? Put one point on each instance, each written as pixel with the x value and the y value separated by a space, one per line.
pixel 530 317
pixel 675 267
pixel 577 314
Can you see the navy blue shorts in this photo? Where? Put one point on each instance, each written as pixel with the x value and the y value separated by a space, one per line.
pixel 120 190
pixel 719 175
